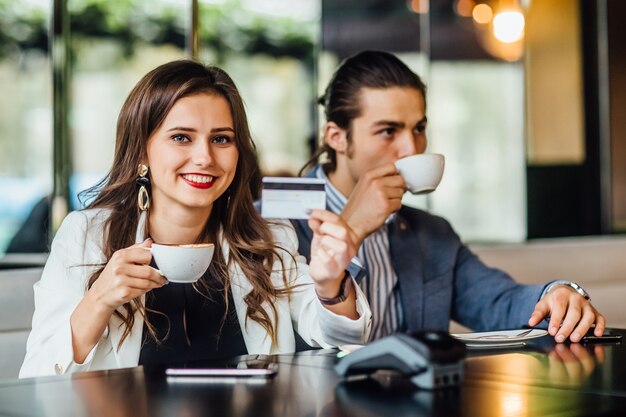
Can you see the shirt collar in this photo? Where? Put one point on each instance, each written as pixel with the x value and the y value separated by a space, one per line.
pixel 335 200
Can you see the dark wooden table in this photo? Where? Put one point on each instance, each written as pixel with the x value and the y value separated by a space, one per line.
pixel 538 380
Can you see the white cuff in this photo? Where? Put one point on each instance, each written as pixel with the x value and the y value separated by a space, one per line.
pixel 338 329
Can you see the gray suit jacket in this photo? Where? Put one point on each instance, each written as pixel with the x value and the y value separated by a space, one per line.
pixel 441 279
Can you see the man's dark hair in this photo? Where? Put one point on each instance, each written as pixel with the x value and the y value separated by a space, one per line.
pixel 367 69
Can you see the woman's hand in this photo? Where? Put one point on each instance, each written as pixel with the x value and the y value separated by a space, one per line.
pixel 127 275
pixel 332 248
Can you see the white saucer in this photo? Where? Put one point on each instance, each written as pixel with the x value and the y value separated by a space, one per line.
pixel 501 338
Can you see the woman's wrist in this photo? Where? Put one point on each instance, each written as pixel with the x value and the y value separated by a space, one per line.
pixel 336 295
pixel 98 305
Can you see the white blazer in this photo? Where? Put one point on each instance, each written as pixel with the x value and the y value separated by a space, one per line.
pixel 77 252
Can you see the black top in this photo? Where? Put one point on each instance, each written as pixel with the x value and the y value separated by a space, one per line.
pixel 197 327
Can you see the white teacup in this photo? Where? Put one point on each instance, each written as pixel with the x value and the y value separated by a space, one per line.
pixel 182 263
pixel 422 173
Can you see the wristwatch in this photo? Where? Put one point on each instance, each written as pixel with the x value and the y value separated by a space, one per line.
pixel 580 290
pixel 344 288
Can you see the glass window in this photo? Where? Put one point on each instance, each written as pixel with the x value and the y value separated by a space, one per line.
pixel 268 48
pixel 114 43
pixel 476 119
pixel 25 121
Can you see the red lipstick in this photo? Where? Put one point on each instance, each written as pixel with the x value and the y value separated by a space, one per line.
pixel 205 182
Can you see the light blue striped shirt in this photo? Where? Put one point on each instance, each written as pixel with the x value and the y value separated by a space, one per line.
pixel 380 283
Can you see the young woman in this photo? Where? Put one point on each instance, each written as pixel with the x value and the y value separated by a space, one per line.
pixel 182 173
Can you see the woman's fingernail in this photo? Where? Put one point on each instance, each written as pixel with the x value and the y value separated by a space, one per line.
pixel 553 330
pixel 574 337
pixel 560 338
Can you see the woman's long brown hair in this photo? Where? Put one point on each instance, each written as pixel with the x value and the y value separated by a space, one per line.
pixel 250 240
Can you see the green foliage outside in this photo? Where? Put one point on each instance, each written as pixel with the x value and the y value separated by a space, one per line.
pixel 224 28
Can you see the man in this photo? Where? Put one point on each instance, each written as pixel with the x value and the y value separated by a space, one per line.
pixel 412 266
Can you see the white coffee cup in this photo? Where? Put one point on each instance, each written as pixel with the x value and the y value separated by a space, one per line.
pixel 182 263
pixel 422 172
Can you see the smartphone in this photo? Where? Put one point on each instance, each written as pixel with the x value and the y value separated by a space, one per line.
pixel 605 338
pixel 266 372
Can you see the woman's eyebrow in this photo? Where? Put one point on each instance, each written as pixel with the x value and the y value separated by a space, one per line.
pixel 191 129
pixel 184 129
pixel 222 129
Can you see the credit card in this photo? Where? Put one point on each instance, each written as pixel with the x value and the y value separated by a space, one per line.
pixel 290 198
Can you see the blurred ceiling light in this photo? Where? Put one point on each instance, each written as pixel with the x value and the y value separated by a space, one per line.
pixel 419 6
pixel 500 28
pixel 508 26
pixel 482 13
pixel 464 7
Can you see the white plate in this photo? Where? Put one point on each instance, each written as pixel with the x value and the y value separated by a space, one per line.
pixel 499 338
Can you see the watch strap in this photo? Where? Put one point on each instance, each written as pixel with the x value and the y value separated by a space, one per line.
pixel 344 289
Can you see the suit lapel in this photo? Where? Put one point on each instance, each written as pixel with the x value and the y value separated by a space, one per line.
pixel 407 259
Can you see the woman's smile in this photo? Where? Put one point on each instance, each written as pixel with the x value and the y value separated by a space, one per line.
pixel 201 181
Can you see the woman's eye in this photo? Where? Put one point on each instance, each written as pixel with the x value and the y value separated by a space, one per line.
pixel 180 138
pixel 221 139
